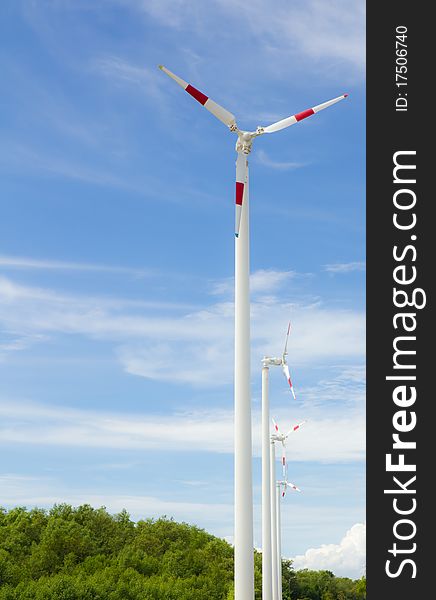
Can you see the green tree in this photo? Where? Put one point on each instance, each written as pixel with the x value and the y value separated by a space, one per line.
pixel 84 553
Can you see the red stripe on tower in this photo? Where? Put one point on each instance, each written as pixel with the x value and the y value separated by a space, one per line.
pixel 239 192
pixel 304 114
pixel 196 94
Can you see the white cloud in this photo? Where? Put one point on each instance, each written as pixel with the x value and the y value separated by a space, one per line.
pixel 192 347
pixel 313 30
pixel 21 262
pixel 262 280
pixel 345 384
pixel 269 280
pixel 332 439
pixel 345 559
pixel 263 159
pixel 10 341
pixel 345 267
pixel 116 69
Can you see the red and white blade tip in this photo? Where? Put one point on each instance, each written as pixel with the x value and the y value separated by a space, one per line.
pixel 299 425
pixel 296 118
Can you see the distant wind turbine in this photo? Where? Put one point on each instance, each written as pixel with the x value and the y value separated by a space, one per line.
pixel 278 436
pixel 281 487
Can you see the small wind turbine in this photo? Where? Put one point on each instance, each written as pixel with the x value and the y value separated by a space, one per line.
pixel 243 538
pixel 281 487
pixel 278 436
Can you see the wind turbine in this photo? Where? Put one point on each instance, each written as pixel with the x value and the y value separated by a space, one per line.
pixel 243 538
pixel 280 493
pixel 282 437
pixel 275 518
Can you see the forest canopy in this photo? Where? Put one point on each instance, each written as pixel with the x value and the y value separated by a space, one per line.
pixel 84 553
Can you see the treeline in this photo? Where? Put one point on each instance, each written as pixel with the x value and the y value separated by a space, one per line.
pixel 84 553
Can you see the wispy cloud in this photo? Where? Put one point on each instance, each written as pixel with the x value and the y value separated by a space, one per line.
pixel 263 159
pixel 344 386
pixel 24 157
pixel 119 70
pixel 347 558
pixel 12 341
pixel 148 338
pixel 261 281
pixel 313 30
pixel 21 262
pixel 332 439
pixel 345 267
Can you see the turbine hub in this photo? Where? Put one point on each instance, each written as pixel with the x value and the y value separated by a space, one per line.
pixel 245 142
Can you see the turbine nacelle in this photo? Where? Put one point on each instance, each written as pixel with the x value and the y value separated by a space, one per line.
pixel 267 361
pixel 244 142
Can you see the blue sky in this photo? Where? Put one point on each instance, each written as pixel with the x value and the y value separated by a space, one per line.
pixel 116 258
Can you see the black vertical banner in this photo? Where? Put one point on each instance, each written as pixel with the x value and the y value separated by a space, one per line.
pixel 400 324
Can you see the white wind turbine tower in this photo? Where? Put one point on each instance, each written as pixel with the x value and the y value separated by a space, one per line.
pixel 243 538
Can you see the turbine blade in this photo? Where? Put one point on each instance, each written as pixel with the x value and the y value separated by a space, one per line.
pixel 293 486
pixel 285 351
pixel 284 489
pixel 276 427
pixel 296 427
pixel 288 377
pixel 218 111
pixel 300 116
pixel 241 188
